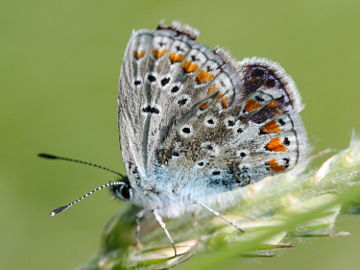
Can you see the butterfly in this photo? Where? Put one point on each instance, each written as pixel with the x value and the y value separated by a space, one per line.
pixel 195 123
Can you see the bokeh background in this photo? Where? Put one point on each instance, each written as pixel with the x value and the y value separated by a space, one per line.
pixel 60 64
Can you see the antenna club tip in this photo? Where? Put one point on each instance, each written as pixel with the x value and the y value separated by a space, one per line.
pixel 58 210
pixel 48 156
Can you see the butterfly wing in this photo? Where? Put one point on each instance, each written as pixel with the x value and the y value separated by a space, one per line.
pixel 196 118
pixel 154 91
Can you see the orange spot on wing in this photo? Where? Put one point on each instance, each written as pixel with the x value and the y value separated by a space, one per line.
pixel 272 104
pixel 276 145
pixel 224 102
pixel 188 66
pixel 271 127
pixel 212 89
pixel 204 105
pixel 157 54
pixel 139 55
pixel 174 58
pixel 252 105
pixel 204 76
pixel 274 165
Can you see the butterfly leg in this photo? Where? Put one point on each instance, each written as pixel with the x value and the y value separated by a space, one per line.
pixel 137 231
pixel 163 226
pixel 217 214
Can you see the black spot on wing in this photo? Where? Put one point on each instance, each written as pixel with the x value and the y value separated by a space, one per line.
pixel 165 81
pixel 149 109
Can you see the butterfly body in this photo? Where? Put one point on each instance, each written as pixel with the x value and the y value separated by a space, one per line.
pixel 194 123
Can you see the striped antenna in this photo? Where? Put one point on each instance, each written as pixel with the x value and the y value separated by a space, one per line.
pixel 65 207
pixel 49 156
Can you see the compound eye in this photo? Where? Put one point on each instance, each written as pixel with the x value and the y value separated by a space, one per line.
pixel 123 191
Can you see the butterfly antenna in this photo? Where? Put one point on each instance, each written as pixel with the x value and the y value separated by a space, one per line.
pixel 65 207
pixel 49 156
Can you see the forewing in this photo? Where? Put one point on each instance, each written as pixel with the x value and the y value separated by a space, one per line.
pixel 160 84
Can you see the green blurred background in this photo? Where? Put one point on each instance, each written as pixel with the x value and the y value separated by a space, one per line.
pixel 60 64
